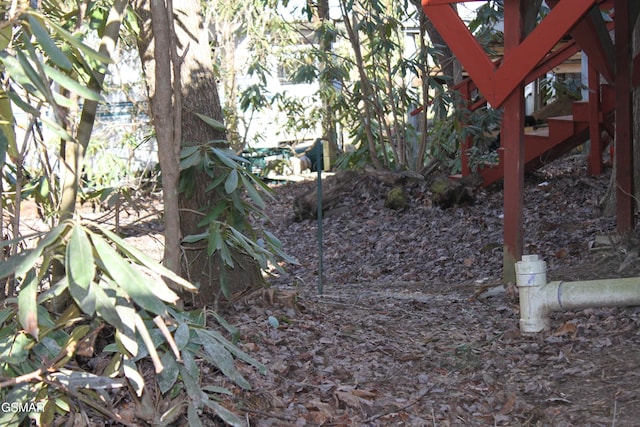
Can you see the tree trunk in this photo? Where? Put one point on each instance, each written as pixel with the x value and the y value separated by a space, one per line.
pixel 166 99
pixel 367 90
pixel 199 94
pixel 74 150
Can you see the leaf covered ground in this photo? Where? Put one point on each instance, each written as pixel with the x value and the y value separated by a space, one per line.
pixel 409 329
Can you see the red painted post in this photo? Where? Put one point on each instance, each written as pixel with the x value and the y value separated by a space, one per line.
pixel 513 143
pixel 595 165
pixel 624 130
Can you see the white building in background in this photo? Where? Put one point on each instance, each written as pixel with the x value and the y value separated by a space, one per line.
pixel 265 127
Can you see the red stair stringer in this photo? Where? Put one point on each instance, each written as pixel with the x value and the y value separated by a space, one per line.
pixel 561 135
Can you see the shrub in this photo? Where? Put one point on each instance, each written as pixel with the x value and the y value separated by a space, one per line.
pixel 112 287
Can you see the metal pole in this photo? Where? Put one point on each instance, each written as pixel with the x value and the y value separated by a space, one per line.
pixel 319 150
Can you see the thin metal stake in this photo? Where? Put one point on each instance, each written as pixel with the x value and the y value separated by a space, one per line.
pixel 319 167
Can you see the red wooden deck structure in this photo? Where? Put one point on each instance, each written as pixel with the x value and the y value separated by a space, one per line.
pixel 608 108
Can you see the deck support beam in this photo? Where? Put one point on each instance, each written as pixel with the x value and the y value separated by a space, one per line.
pixel 513 143
pixel 625 204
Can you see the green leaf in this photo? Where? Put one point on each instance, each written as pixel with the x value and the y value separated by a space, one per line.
pixel 20 263
pixel 231 183
pixel 169 375
pixel 275 246
pixel 234 350
pixel 227 157
pixel 192 387
pixel 71 84
pixel 182 335
pixel 17 99
pixel 147 261
pixel 226 254
pixel 193 417
pixel 224 282
pixel 105 307
pixel 189 151
pixel 214 242
pixel 233 330
pixel 226 415
pixel 46 349
pixel 190 366
pixel 252 192
pixel 28 306
pixel 47 416
pixel 126 344
pixel 6 34
pixel 56 128
pixel 48 45
pixel 18 74
pixel 80 267
pixel 260 184
pixel 131 280
pixel 36 79
pixel 63 101
pixel 212 216
pixel 44 317
pixel 15 349
pixel 78 44
pixel 217 125
pixel 221 177
pixel 216 354
pixel 190 160
pixel 193 238
pixel 244 241
pixel 5 314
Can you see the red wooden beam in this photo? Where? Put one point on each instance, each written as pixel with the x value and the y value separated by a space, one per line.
pixel 624 121
pixel 523 59
pixel 635 76
pixel 553 59
pixel 496 83
pixel 593 37
pixel 512 138
pixel 466 48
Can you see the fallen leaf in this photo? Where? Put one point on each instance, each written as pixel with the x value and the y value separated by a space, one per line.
pixel 567 328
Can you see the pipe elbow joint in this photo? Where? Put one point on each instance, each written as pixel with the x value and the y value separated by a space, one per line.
pixel 531 277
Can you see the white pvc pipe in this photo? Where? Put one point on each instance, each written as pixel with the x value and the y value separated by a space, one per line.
pixel 539 298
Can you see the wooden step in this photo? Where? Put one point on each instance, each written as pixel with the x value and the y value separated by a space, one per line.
pixel 538 131
pixel 561 127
